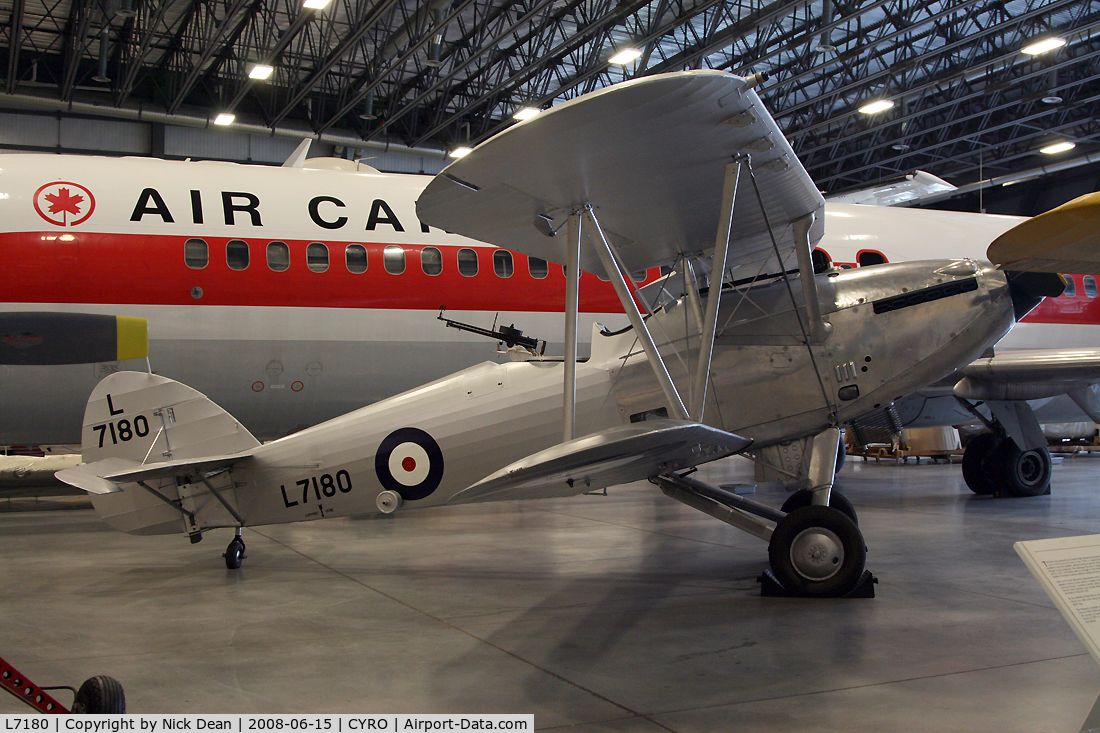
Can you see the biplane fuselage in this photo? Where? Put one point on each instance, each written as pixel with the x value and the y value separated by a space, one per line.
pixel 431 443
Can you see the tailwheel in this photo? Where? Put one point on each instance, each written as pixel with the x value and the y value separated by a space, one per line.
pixel 976 465
pixel 234 553
pixel 817 551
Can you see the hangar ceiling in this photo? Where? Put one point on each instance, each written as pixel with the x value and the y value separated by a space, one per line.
pixel 968 103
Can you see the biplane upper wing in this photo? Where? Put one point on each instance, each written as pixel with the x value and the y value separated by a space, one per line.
pixel 649 156
pixel 610 457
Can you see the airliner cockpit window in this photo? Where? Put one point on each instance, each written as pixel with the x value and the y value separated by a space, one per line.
pixel 236 254
pixel 355 256
pixel 467 262
pixel 393 258
pixel 431 259
pixel 278 256
pixel 317 257
pixel 196 254
pixel 502 263
pixel 1090 286
pixel 537 267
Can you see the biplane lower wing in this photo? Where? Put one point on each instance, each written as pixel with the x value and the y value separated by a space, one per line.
pixel 615 456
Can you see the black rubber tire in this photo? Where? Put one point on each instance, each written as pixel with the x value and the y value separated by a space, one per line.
pixel 99 695
pixel 978 470
pixel 234 554
pixel 804 497
pixel 1022 473
pixel 827 543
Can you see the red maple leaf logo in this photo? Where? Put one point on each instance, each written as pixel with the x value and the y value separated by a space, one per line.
pixel 63 201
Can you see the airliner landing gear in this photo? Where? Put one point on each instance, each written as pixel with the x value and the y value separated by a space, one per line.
pixel 993 465
pixel 234 552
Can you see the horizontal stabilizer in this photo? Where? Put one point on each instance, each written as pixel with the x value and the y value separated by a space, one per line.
pixel 90 476
pixel 44 338
pixel 607 458
pixel 1064 239
pixel 649 155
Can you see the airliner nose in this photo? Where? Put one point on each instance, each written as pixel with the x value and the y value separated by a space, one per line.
pixel 1029 288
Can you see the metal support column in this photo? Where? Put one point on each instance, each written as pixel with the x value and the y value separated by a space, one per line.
pixel 572 309
pixel 714 296
pixel 607 258
pixel 819 330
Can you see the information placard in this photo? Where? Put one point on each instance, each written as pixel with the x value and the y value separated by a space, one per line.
pixel 1068 568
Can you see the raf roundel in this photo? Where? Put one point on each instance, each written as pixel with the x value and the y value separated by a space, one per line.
pixel 409 462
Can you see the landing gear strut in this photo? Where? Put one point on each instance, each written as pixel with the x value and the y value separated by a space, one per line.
pixel 234 552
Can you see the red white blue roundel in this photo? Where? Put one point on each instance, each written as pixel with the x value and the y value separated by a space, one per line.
pixel 409 462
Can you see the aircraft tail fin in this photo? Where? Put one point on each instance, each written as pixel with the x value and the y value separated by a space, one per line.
pixel 147 418
pixel 142 433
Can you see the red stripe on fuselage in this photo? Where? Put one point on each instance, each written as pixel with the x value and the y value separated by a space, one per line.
pixel 1079 309
pixel 81 267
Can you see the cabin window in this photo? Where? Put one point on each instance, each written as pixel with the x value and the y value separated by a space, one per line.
pixel 1071 287
pixel 639 276
pixel 393 259
pixel 665 270
pixel 278 256
pixel 317 257
pixel 603 277
pixel 196 254
pixel 867 257
pixel 355 257
pixel 467 262
pixel 821 260
pixel 538 268
pixel 1090 286
pixel 431 259
pixel 502 263
pixel 236 254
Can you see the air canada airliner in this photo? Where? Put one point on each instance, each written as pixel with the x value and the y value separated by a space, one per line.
pixel 293 294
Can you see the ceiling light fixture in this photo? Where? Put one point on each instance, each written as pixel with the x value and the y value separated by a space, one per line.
pixel 315 4
pixel 1058 148
pixel 1047 44
pixel 461 151
pixel 625 56
pixel 259 72
pixel 225 118
pixel 879 105
pixel 526 113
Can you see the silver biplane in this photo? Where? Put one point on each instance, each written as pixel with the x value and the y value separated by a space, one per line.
pixel 741 349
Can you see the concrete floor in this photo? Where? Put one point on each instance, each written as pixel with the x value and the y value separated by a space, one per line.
pixel 622 613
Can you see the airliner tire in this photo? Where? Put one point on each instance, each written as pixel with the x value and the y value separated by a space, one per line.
pixel 234 554
pixel 1022 472
pixel 978 466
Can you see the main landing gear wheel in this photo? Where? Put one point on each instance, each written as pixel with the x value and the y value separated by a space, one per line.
pixel 804 497
pixel 99 695
pixel 234 553
pixel 1022 472
pixel 977 464
pixel 817 551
